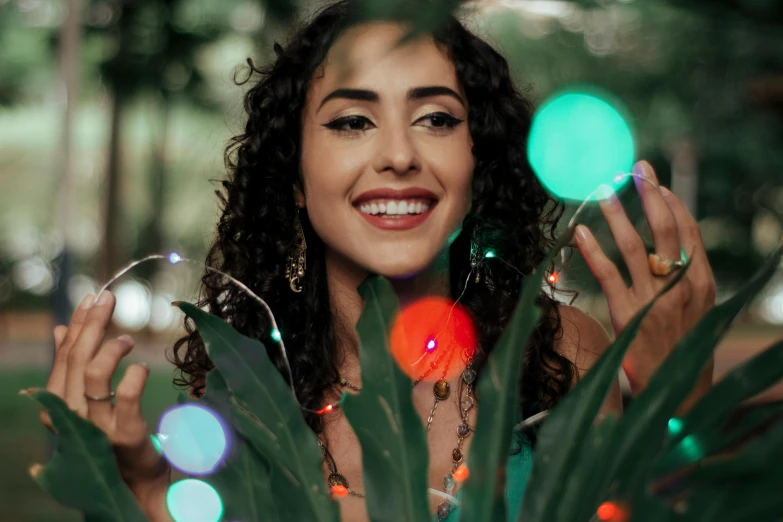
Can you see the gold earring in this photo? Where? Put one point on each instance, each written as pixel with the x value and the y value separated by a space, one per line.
pixel 297 259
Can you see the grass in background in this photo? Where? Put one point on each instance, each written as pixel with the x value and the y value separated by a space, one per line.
pixel 24 440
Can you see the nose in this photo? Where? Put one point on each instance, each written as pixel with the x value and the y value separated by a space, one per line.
pixel 396 151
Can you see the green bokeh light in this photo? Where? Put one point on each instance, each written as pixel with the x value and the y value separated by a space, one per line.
pixel 675 426
pixel 276 334
pixel 192 500
pixel 579 141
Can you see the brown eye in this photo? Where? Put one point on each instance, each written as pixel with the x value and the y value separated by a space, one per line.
pixel 349 124
pixel 441 120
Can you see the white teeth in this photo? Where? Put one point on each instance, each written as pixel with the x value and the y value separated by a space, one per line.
pixel 394 208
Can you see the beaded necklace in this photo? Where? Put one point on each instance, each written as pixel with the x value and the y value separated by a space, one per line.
pixel 441 390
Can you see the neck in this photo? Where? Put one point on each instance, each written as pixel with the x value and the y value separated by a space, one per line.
pixel 344 277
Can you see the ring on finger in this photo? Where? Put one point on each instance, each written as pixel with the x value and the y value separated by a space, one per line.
pixel 661 266
pixel 108 397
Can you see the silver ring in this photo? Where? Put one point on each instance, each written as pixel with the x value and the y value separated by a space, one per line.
pixel 104 398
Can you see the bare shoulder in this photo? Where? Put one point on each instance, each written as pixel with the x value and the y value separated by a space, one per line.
pixel 583 341
pixel 583 338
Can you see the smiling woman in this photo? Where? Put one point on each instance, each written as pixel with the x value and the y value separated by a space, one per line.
pixel 363 156
pixel 405 161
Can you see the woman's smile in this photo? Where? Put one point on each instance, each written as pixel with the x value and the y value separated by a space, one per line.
pixel 392 209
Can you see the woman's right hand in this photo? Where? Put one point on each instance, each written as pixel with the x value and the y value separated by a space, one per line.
pixel 84 365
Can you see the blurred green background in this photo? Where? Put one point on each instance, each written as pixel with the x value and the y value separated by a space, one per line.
pixel 114 115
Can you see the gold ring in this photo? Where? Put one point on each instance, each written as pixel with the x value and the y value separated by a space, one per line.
pixel 661 266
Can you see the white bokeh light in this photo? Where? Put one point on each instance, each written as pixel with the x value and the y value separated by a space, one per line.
pixel 33 275
pixel 132 310
pixel 162 316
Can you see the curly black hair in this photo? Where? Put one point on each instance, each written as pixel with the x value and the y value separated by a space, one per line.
pixel 511 214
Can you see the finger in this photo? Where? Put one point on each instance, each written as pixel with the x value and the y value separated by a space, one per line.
pixel 97 379
pixel 660 218
pixel 628 241
pixel 56 383
pixel 700 272
pixel 84 349
pixel 609 278
pixel 127 410
pixel 60 332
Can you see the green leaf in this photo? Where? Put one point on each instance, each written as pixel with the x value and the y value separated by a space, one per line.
pixel 564 433
pixel 394 444
pixel 83 473
pixel 268 417
pixel 644 425
pixel 745 381
pixel 483 494
pixel 243 481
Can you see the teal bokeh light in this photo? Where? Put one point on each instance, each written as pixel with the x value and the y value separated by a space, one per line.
pixel 578 141
pixel 193 438
pixel 192 500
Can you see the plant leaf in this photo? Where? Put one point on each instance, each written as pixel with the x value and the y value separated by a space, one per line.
pixel 745 381
pixel 643 425
pixel 243 481
pixel 83 473
pixel 270 418
pixel 394 445
pixel 563 434
pixel 483 494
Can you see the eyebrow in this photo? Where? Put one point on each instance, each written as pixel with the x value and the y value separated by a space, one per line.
pixel 417 93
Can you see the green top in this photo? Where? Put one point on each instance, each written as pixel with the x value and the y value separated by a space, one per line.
pixel 518 470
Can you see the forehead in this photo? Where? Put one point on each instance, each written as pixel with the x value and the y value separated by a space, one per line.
pixel 365 56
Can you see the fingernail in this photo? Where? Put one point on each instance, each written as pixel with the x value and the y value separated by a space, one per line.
pixel 605 192
pixel 103 298
pixel 127 339
pixel 581 232
pixel 87 302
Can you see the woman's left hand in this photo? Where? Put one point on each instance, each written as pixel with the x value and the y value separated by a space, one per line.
pixel 677 311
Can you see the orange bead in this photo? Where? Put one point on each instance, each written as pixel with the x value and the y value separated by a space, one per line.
pixel 461 474
pixel 339 491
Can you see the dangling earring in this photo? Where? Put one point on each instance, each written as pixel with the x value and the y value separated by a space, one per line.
pixel 475 255
pixel 297 260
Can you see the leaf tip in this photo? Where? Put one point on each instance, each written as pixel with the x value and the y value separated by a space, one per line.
pixel 35 470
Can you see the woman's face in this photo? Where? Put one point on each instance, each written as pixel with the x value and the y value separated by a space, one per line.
pixel 386 151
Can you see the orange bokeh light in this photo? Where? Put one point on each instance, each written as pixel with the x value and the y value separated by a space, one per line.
pixel 461 474
pixel 611 512
pixel 339 491
pixel 424 321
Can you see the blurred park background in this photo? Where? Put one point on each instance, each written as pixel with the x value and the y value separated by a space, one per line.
pixel 114 115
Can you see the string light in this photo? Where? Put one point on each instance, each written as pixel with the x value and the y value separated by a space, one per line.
pixel 611 512
pixel 553 277
pixel 431 345
pixel 339 491
pixel 675 426
pixel 175 258
pixel 329 408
